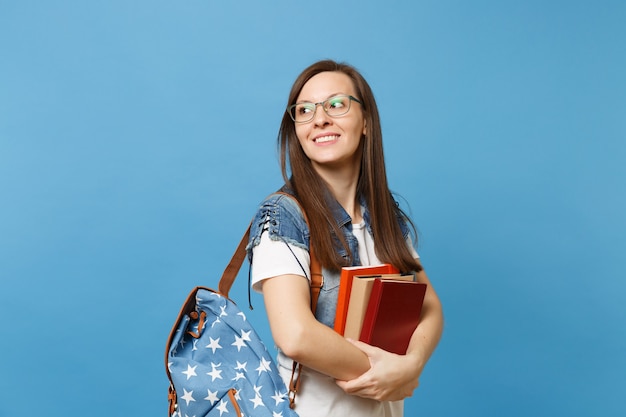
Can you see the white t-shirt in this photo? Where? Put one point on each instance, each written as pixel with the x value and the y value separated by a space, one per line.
pixel 319 395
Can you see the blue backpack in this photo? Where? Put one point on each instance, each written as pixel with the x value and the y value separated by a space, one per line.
pixel 217 363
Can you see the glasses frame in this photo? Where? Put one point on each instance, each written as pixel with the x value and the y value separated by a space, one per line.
pixel 323 104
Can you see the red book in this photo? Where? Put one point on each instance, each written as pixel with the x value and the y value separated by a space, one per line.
pixel 393 313
pixel 345 288
pixel 359 299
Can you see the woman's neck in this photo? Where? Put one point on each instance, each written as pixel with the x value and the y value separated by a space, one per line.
pixel 343 185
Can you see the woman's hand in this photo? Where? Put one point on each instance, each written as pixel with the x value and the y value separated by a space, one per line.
pixel 391 377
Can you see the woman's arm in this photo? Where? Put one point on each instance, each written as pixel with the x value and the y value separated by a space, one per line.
pixel 394 377
pixel 301 337
pixel 427 334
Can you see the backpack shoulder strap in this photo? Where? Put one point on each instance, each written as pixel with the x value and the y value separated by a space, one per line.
pixel 233 267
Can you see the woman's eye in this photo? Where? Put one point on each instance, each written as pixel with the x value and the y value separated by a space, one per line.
pixel 336 102
pixel 304 109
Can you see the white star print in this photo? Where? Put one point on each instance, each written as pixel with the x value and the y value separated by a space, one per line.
pixel 223 313
pixel 264 366
pixel 257 401
pixel 241 366
pixel 190 371
pixel 214 344
pixel 278 397
pixel 211 396
pixel 239 343
pixel 243 316
pixel 223 407
pixel 275 414
pixel 215 373
pixel 239 376
pixel 187 397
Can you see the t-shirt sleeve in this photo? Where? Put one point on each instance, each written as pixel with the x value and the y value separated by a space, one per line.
pixel 272 258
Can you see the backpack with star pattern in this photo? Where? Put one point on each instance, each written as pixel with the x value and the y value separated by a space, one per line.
pixel 217 363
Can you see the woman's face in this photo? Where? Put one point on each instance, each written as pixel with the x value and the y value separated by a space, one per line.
pixel 331 142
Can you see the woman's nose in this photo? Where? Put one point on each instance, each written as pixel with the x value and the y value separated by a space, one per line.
pixel 320 117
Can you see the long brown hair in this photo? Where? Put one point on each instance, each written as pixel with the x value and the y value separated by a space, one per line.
pixel 312 191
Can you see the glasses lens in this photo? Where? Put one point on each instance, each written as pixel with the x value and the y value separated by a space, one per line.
pixel 337 106
pixel 302 112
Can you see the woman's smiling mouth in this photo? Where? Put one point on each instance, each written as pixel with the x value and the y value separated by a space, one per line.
pixel 325 138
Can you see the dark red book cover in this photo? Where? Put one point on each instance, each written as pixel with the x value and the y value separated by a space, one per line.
pixel 392 315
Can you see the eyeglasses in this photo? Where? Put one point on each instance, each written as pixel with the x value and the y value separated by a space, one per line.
pixel 334 107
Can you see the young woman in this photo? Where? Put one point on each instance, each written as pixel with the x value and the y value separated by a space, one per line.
pixel 332 162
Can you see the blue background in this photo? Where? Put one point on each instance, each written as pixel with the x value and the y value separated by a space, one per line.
pixel 137 138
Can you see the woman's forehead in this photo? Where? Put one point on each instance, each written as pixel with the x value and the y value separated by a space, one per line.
pixel 324 85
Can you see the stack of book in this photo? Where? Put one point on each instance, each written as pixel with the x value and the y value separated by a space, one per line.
pixel 378 305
